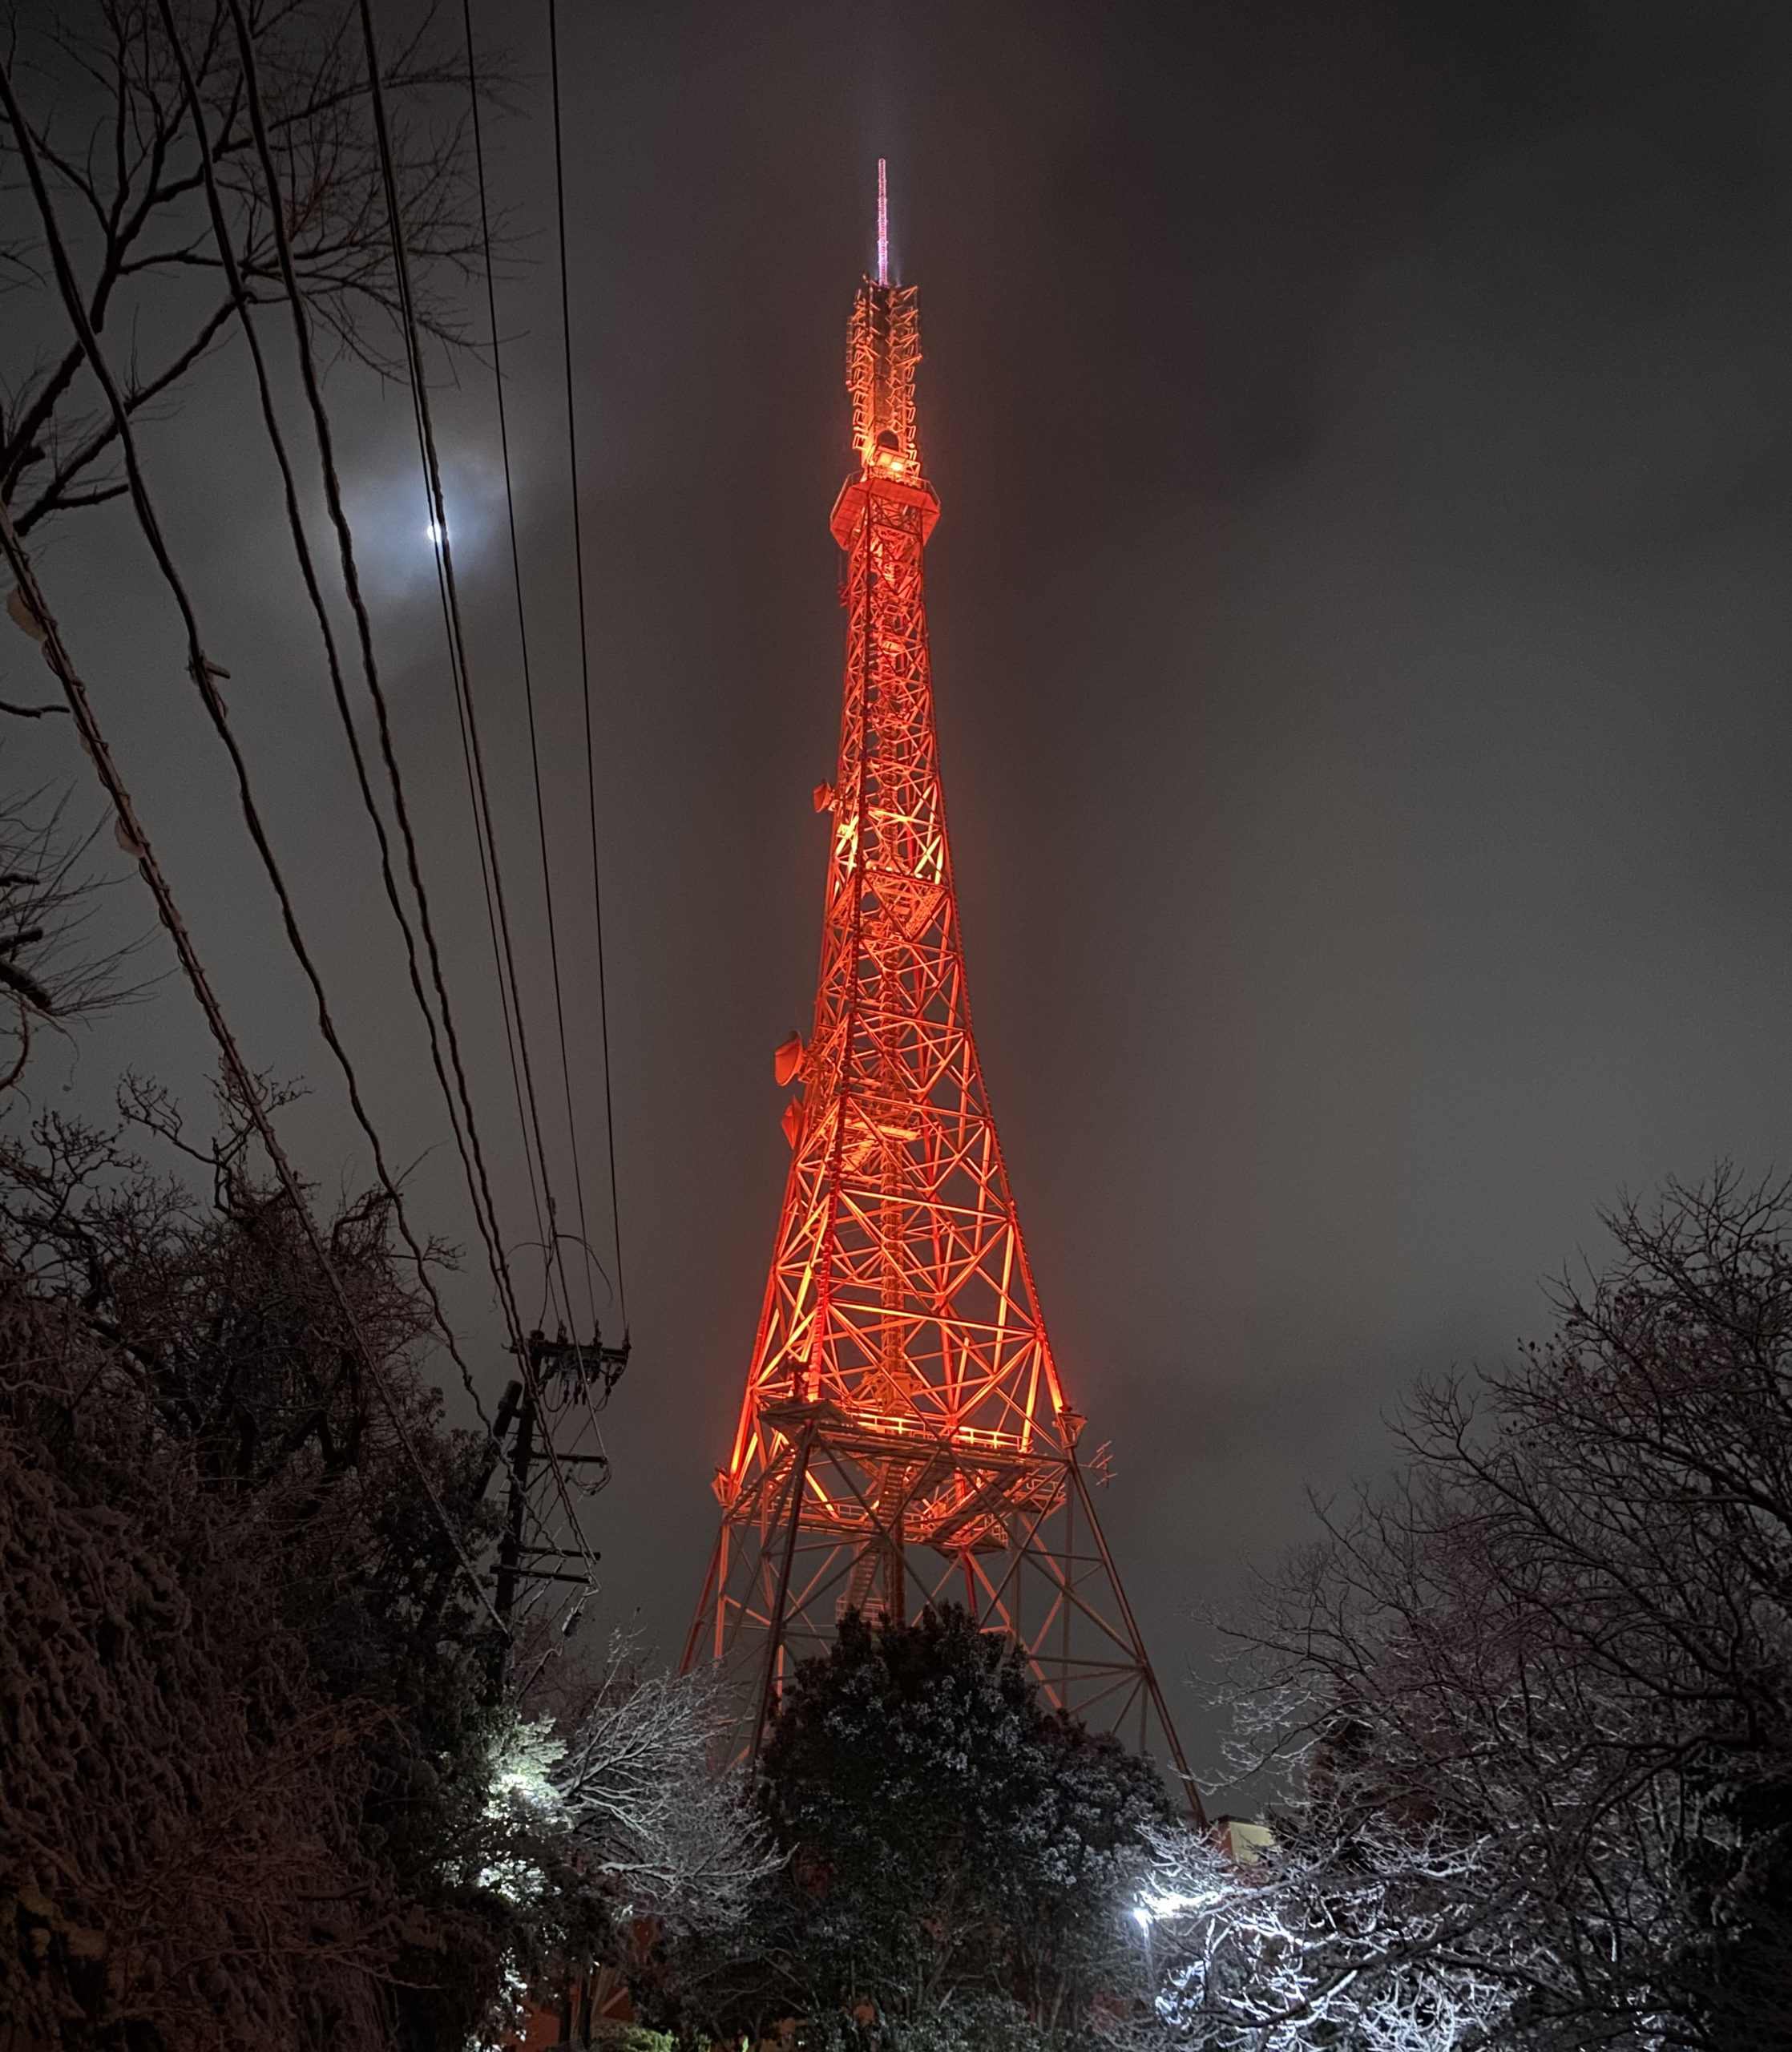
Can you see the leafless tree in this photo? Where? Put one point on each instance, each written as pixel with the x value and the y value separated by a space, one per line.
pixel 179 1861
pixel 1535 1701
pixel 107 114
pixel 52 970
pixel 608 1815
pixel 613 1773
pixel 1301 1947
pixel 646 1809
pixel 257 1783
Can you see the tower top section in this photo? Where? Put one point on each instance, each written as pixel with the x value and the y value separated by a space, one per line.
pixel 883 351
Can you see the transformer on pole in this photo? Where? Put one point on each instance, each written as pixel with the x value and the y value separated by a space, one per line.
pixel 905 1437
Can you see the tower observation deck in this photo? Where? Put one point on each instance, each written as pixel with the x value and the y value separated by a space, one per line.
pixel 905 1437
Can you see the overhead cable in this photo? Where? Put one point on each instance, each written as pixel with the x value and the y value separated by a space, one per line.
pixel 236 1068
pixel 477 1169
pixel 432 473
pixel 458 667
pixel 99 751
pixel 522 644
pixel 270 418
pixel 204 675
pixel 584 641
pixel 473 1155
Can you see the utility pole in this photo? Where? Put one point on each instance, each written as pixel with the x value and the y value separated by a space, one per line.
pixel 566 1383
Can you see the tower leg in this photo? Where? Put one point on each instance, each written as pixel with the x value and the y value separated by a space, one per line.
pixel 714 1583
pixel 774 1638
pixel 1147 1674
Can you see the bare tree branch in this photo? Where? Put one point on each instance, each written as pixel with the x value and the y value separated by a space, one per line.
pixel 1534 1702
pixel 113 121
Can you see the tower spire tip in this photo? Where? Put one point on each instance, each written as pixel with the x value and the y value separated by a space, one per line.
pixel 883 225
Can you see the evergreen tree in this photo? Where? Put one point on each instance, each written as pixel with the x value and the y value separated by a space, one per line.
pixel 958 1853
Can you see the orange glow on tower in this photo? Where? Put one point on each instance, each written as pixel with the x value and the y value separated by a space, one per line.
pixel 905 1436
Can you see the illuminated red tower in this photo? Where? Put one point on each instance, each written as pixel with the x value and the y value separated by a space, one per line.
pixel 906 1436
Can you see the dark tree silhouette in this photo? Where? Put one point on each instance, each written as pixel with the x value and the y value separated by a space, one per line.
pixel 245 1738
pixel 958 1853
pixel 107 115
pixel 1539 1695
pixel 256 1784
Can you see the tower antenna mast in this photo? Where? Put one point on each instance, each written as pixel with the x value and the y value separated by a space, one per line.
pixel 883 225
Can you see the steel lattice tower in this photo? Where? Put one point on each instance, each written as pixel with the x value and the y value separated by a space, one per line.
pixel 906 1436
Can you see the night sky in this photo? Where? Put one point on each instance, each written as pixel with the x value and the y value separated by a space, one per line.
pixel 1361 633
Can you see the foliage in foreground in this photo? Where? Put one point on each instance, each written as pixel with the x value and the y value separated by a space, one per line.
pixel 256 1784
pixel 1538 1699
pixel 959 1856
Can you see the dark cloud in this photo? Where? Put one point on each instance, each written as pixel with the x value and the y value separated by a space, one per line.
pixel 1360 630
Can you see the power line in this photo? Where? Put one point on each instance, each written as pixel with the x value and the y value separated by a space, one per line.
pixel 233 276
pixel 523 642
pixel 458 667
pixel 101 755
pixel 479 1181
pixel 270 418
pixel 204 675
pixel 333 496
pixel 584 644
pixel 457 646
